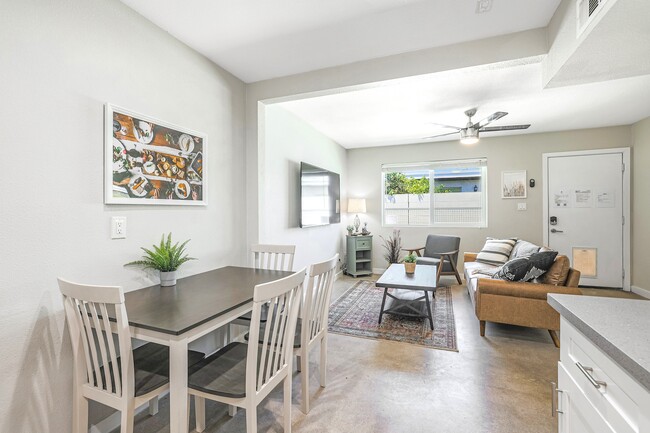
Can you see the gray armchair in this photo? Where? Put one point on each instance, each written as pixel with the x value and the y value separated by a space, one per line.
pixel 441 251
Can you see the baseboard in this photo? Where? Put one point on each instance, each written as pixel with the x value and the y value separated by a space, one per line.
pixel 338 275
pixel 378 271
pixel 640 291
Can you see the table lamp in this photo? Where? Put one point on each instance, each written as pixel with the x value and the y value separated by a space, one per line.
pixel 356 205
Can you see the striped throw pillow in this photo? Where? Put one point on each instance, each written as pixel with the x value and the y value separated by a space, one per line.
pixel 496 251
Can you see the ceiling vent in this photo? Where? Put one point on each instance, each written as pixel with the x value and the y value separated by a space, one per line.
pixel 587 10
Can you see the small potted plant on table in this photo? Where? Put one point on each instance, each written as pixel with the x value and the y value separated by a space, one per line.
pixel 409 263
pixel 165 258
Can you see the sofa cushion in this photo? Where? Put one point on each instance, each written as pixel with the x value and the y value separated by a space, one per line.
pixel 558 272
pixel 496 251
pixel 472 268
pixel 524 249
pixel 526 268
pixel 474 271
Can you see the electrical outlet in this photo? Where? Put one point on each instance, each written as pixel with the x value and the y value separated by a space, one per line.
pixel 521 206
pixel 118 227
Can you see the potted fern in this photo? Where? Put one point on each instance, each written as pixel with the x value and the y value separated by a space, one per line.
pixel 165 258
pixel 409 263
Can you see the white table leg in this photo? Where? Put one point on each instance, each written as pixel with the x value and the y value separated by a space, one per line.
pixel 178 412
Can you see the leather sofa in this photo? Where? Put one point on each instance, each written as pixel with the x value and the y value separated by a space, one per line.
pixel 518 303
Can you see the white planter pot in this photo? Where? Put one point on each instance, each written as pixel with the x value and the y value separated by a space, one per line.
pixel 167 278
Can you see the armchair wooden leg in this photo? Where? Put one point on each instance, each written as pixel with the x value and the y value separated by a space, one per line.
pixel 482 324
pixel 554 337
pixel 453 266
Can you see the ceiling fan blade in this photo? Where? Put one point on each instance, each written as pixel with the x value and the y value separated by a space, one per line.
pixel 447 126
pixel 440 135
pixel 491 118
pixel 504 128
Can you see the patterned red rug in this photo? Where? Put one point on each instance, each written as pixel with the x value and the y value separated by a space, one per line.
pixel 356 313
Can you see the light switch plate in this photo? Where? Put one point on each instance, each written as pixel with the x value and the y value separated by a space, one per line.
pixel 118 227
pixel 521 206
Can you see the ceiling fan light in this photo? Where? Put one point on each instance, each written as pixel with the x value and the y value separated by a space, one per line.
pixel 469 140
pixel 469 136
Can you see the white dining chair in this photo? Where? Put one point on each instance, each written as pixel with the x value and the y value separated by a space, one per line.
pixel 311 327
pixel 242 375
pixel 313 324
pixel 108 371
pixel 271 257
pixel 274 257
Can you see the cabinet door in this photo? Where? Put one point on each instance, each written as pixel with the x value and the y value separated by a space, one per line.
pixel 578 414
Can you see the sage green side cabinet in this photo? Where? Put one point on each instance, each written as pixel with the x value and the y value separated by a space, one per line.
pixel 359 255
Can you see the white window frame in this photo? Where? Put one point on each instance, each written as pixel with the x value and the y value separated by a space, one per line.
pixel 431 166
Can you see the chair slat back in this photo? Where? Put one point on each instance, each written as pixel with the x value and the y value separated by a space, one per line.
pixel 93 345
pixel 317 299
pixel 275 352
pixel 273 257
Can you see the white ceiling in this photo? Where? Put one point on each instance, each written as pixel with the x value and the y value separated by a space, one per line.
pixel 261 39
pixel 401 112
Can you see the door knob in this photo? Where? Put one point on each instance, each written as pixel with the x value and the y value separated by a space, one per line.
pixel 556 231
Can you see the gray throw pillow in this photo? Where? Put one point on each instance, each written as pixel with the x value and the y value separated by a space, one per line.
pixel 524 249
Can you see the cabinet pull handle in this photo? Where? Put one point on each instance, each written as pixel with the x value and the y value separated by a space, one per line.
pixel 587 372
pixel 554 399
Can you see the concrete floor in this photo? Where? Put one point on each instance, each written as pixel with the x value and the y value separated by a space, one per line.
pixel 496 384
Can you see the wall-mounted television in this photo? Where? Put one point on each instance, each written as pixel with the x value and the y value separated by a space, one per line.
pixel 320 193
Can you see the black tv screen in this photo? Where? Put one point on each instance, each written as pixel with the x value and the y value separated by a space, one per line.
pixel 320 192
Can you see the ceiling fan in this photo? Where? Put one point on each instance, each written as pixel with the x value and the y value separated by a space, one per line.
pixel 470 133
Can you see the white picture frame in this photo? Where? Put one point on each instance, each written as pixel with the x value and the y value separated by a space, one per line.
pixel 513 184
pixel 152 162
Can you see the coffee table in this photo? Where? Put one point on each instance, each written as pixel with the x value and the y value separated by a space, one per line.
pixel 405 299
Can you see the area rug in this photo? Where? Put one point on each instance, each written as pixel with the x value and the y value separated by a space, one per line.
pixel 356 313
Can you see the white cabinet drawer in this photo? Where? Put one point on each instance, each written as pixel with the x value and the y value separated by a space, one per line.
pixel 577 413
pixel 610 390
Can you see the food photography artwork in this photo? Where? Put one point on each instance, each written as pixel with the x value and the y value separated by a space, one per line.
pixel 513 184
pixel 152 162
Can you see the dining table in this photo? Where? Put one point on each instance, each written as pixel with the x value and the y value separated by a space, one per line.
pixel 177 315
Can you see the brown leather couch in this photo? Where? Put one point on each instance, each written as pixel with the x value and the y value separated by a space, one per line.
pixel 518 303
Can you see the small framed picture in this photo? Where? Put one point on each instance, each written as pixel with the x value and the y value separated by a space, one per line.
pixel 148 161
pixel 513 184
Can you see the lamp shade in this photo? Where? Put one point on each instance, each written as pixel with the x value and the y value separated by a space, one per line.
pixel 356 205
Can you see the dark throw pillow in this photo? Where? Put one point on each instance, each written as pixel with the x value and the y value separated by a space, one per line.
pixel 513 270
pixel 527 268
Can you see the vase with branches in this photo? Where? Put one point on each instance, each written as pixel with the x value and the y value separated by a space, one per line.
pixel 392 247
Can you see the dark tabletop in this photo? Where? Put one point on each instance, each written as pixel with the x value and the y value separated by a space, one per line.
pixel 396 277
pixel 195 299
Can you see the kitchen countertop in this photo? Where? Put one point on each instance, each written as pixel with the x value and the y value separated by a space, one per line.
pixel 619 327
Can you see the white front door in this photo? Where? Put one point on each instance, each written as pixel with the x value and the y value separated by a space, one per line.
pixel 585 207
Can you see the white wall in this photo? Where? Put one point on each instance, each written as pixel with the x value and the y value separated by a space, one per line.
pixel 526 46
pixel 61 61
pixel 287 141
pixel 640 204
pixel 522 152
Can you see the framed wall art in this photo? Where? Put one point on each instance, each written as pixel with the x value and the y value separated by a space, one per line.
pixel 148 161
pixel 513 184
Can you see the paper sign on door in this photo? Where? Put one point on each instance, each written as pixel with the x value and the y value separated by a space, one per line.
pixel 582 197
pixel 561 198
pixel 605 199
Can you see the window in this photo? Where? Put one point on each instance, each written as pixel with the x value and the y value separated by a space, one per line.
pixel 435 194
